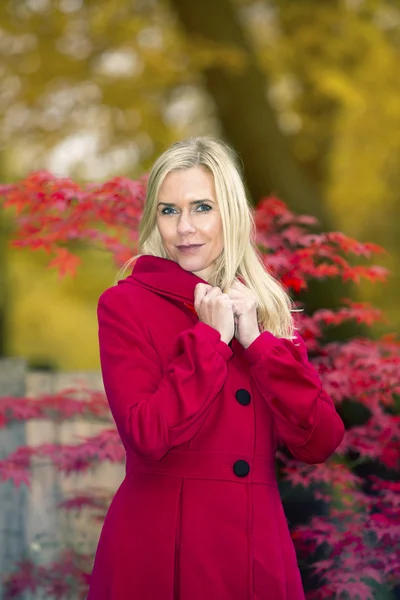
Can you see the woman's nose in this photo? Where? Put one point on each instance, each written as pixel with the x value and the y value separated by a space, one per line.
pixel 185 225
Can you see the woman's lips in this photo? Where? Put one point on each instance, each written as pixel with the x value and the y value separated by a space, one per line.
pixel 190 249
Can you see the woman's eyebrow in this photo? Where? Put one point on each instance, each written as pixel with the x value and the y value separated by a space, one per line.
pixel 193 202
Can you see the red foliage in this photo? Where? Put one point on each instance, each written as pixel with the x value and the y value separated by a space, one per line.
pixel 67 577
pixel 296 256
pixel 67 458
pixel 52 212
pixel 56 407
pixel 98 500
pixel 360 534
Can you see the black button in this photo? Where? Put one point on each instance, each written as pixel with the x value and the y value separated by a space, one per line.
pixel 243 397
pixel 241 468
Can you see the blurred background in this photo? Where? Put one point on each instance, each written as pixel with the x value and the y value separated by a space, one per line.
pixel 307 92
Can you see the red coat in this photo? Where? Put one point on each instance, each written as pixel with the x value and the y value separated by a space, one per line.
pixel 198 515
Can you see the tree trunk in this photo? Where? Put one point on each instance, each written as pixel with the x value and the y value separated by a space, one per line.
pixel 250 125
pixel 248 121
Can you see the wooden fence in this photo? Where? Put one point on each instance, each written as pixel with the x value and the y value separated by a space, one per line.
pixel 30 523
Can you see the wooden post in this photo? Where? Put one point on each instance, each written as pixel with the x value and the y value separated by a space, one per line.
pixel 12 500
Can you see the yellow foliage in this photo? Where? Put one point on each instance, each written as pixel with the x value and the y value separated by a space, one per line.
pixel 102 88
pixel 54 321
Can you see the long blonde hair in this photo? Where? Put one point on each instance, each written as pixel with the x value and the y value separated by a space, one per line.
pixel 240 256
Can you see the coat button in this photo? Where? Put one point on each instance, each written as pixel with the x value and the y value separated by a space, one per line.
pixel 243 397
pixel 241 468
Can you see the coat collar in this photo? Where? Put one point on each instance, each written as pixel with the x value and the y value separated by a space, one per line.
pixel 164 277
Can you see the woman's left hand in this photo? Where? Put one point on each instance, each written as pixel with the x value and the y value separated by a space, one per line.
pixel 245 313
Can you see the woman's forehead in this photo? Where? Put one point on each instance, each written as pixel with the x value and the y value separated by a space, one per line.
pixel 187 185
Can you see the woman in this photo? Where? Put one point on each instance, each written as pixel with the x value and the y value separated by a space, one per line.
pixel 204 374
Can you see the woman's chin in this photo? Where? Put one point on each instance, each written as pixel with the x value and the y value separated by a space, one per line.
pixel 192 264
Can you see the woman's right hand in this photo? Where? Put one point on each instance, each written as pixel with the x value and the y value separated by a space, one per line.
pixel 215 308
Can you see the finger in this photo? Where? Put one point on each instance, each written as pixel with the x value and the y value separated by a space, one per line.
pixel 237 307
pixel 226 300
pixel 212 292
pixel 234 293
pixel 238 284
pixel 200 292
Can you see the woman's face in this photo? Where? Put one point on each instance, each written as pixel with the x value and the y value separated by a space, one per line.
pixel 188 214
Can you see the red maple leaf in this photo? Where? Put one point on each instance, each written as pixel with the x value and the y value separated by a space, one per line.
pixel 66 262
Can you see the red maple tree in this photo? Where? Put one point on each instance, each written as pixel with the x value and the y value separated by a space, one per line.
pixel 353 548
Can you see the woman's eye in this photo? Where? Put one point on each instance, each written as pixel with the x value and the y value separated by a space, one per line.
pixel 205 207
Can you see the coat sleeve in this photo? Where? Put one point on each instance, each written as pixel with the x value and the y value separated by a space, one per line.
pixel 155 406
pixel 305 417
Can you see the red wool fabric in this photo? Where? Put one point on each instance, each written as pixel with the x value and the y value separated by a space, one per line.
pixel 198 515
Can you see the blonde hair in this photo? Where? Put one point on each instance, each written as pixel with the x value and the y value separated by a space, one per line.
pixel 240 256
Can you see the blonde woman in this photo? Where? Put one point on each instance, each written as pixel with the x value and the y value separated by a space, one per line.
pixel 205 375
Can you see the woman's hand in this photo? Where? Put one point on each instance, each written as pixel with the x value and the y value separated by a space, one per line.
pixel 245 313
pixel 215 309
